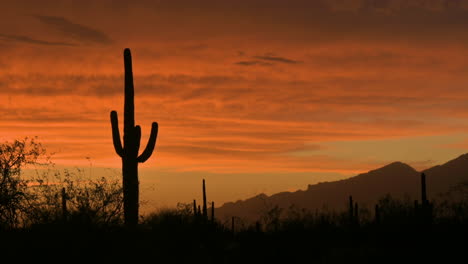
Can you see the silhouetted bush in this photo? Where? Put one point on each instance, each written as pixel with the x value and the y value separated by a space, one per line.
pixel 14 195
pixel 37 200
pixel 90 201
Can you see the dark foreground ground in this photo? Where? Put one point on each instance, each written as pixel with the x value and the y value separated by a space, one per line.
pixel 208 243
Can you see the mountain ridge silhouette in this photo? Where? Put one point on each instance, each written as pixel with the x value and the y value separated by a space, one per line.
pixel 397 179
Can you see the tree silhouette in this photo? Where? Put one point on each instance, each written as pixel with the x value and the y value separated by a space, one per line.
pixel 13 189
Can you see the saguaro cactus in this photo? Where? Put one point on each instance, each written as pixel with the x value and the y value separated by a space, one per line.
pixel 351 209
pixel 423 189
pixel 205 208
pixel 356 213
pixel 194 207
pixel 212 212
pixel 426 206
pixel 131 145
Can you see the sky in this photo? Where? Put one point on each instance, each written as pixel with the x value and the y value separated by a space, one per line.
pixel 256 96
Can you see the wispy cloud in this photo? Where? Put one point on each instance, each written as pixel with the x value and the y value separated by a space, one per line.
pixel 277 59
pixel 265 60
pixel 26 39
pixel 252 63
pixel 74 30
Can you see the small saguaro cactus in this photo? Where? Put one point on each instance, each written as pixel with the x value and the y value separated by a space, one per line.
pixel 351 209
pixel 423 189
pixel 131 145
pixel 194 207
pixel 356 213
pixel 212 212
pixel 426 207
pixel 205 209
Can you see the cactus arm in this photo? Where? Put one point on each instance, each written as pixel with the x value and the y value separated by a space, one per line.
pixel 137 138
pixel 151 144
pixel 116 134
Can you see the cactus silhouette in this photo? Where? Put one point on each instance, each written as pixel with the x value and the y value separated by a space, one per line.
pixel 194 207
pixel 212 212
pixel 205 209
pixel 423 189
pixel 131 145
pixel 377 214
pixel 426 207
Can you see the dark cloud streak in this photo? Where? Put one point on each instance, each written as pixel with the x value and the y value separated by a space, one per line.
pixel 277 59
pixel 26 39
pixel 74 30
pixel 252 63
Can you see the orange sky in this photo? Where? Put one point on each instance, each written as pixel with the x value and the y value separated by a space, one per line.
pixel 256 96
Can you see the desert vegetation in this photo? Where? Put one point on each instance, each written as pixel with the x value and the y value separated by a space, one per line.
pixel 68 210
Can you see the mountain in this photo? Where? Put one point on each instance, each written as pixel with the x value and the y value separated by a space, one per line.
pixel 397 179
pixel 441 177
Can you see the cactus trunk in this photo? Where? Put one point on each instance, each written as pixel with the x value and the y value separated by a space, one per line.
pixel 212 212
pixel 423 189
pixel 195 207
pixel 131 145
pixel 130 189
pixel 205 209
pixel 426 206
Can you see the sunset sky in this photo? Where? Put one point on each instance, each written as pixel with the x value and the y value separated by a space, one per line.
pixel 255 96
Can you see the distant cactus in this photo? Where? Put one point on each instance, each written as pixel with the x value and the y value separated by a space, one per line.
pixel 195 207
pixel 377 214
pixel 425 210
pixel 205 209
pixel 351 209
pixel 212 212
pixel 423 189
pixel 131 146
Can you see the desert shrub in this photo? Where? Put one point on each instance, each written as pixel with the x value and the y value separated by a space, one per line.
pixel 36 198
pixel 14 195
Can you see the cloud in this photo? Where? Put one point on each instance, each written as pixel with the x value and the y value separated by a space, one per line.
pixel 252 63
pixel 277 59
pixel 26 39
pixel 265 60
pixel 74 30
